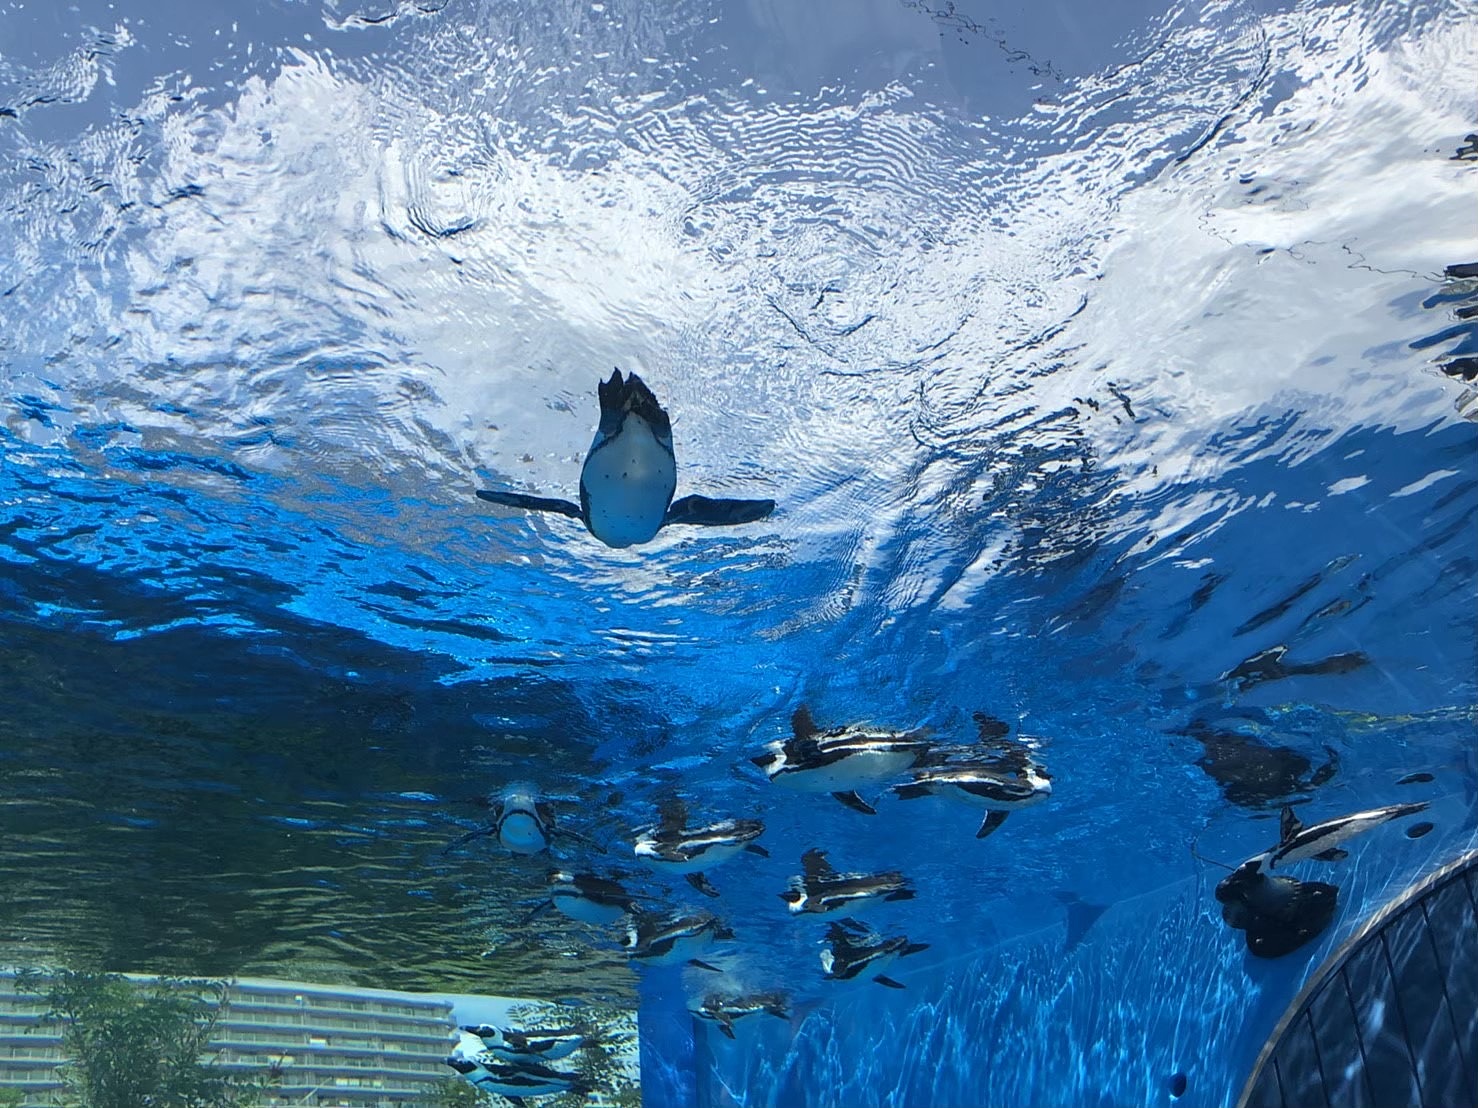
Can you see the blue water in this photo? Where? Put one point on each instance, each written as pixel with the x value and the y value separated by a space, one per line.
pixel 1088 351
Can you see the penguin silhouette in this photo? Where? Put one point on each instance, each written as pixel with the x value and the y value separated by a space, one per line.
pixel 630 474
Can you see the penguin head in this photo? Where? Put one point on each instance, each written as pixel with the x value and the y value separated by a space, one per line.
pixel 795 897
pixel 1242 881
pixel 773 761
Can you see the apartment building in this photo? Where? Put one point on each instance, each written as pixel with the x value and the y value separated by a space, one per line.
pixel 320 1045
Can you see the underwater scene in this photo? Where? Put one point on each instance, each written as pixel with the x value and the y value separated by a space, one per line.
pixel 790 553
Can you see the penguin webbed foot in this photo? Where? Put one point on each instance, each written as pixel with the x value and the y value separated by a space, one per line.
pixel 704 511
pixel 529 503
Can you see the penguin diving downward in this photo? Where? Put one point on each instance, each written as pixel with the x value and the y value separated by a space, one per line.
pixel 669 940
pixel 522 1047
pixel 518 1081
pixel 841 760
pixel 855 950
pixel 1297 843
pixel 672 847
pixel 724 1010
pixel 585 898
pixel 821 890
pixel 630 474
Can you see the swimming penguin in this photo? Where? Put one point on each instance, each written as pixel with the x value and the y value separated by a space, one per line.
pixel 655 940
pixel 630 474
pixel 1296 843
pixel 671 846
pixel 855 950
pixel 586 898
pixel 521 1047
pixel 518 1081
pixel 999 793
pixel 724 1010
pixel 821 890
pixel 521 821
pixel 841 760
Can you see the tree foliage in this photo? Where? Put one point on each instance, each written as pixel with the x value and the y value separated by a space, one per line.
pixel 138 1044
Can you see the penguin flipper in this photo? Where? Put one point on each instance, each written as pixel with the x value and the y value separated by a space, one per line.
pixel 856 803
pixel 703 511
pixel 990 823
pixel 479 833
pixel 888 981
pixel 530 503
pixel 537 911
pixel 702 884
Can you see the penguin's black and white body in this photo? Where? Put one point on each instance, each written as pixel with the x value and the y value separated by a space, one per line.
pixel 506 1044
pixel 840 761
pixel 855 950
pixel 630 474
pixel 822 891
pixel 586 898
pixel 520 819
pixel 723 1010
pixel 1297 843
pixel 655 940
pixel 999 793
pixel 674 847
pixel 517 1081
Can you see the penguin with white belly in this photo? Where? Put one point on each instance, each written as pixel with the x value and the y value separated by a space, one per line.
pixel 630 475
pixel 841 759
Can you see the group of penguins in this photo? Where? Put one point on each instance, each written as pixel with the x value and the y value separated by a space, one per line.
pixel 627 486
pixel 998 774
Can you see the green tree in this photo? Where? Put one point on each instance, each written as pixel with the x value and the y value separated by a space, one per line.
pixel 138 1045
pixel 454 1092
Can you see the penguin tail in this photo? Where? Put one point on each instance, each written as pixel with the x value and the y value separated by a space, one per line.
pixel 901 894
pixel 778 1008
pixel 620 397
